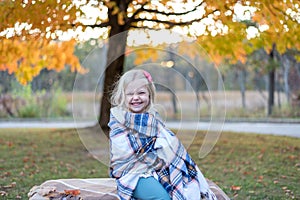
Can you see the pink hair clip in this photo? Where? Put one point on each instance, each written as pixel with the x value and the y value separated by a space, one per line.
pixel 148 76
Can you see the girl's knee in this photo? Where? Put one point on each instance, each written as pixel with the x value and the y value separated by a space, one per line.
pixel 150 189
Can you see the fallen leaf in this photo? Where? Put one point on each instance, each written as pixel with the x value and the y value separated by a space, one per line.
pixel 12 185
pixel 292 157
pixel 3 193
pixel 72 192
pixel 10 144
pixel 7 174
pixel 260 156
pixel 260 178
pixel 25 159
pixel 246 173
pixel 235 188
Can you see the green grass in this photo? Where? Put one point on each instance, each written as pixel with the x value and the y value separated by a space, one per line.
pixel 245 166
pixel 264 167
pixel 30 157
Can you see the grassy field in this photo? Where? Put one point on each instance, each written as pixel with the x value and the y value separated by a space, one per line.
pixel 245 166
pixel 210 104
pixel 186 105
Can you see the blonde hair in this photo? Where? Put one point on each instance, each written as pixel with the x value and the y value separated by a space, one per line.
pixel 118 94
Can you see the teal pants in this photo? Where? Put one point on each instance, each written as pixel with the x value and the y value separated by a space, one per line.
pixel 150 189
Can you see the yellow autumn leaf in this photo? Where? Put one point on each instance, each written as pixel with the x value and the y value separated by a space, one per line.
pixel 121 18
pixel 110 4
pixel 115 10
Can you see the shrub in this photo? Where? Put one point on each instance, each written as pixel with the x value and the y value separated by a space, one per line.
pixel 39 104
pixel 25 102
pixel 59 104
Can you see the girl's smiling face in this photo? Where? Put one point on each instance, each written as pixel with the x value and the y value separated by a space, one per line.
pixel 137 99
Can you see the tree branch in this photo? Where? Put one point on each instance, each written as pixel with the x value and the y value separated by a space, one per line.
pixel 279 10
pixel 145 27
pixel 131 19
pixel 102 25
pixel 172 24
pixel 173 13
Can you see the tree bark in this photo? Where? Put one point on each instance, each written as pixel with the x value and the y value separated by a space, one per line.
pixel 286 68
pixel 114 68
pixel 271 81
pixel 242 83
pixel 271 91
pixel 112 71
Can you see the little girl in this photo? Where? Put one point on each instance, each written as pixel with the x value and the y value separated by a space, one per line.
pixel 147 159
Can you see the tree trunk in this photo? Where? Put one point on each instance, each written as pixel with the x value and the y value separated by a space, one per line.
pixel 173 90
pixel 286 69
pixel 271 91
pixel 271 81
pixel 242 82
pixel 114 69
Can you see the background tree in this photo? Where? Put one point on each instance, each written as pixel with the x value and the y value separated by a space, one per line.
pixel 281 20
pixel 271 25
pixel 120 16
pixel 218 26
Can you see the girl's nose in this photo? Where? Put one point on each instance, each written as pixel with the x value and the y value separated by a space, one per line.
pixel 135 96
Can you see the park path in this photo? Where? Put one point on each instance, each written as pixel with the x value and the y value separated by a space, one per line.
pixel 284 129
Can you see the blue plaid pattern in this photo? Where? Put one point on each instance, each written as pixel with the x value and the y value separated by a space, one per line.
pixel 133 153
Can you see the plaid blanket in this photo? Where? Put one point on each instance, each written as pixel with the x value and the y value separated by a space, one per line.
pixel 141 145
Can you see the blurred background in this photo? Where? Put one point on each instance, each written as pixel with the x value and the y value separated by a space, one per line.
pixel 49 94
pixel 247 51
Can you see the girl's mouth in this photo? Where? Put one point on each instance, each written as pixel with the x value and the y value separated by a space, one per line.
pixel 136 103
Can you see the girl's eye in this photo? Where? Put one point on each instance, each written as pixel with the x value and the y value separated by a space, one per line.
pixel 141 93
pixel 129 94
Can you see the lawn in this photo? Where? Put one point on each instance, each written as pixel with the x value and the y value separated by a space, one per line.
pixel 245 166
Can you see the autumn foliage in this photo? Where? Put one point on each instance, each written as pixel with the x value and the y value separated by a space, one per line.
pixel 222 34
pixel 28 38
pixel 26 59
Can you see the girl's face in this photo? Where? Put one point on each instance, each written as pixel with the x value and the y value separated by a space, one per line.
pixel 137 98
